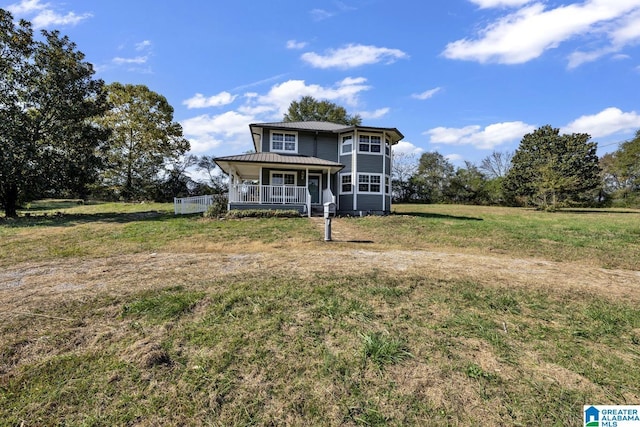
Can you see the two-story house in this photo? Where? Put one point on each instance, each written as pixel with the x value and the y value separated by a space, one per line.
pixel 302 165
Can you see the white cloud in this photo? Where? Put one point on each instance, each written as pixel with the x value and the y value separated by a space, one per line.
pixel 353 55
pixel 607 122
pixel 277 100
pixel 137 60
pixel 321 14
pixel 208 132
pixel 454 158
pixel 486 4
pixel 628 31
pixel 518 37
pixel 487 138
pixel 200 101
pixel 426 94
pixel 369 115
pixel 42 15
pixel 26 7
pixel 143 45
pixel 406 147
pixel 293 44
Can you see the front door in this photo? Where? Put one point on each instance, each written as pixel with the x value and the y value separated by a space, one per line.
pixel 314 189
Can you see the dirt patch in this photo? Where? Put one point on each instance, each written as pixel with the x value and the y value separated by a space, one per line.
pixel 29 284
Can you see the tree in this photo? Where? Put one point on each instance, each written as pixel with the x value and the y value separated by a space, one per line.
pixel 216 182
pixel 175 181
pixel 621 171
pixel 549 169
pixel 627 160
pixel 48 105
pixel 144 139
pixel 309 109
pixel 469 186
pixel 433 178
pixel 497 164
pixel 403 168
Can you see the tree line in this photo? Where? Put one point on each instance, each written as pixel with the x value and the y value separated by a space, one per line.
pixel 64 133
pixel 548 170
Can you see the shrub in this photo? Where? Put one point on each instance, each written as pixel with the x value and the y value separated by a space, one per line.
pixel 218 208
pixel 263 213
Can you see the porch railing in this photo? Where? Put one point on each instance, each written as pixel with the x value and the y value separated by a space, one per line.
pixel 189 205
pixel 327 196
pixel 268 194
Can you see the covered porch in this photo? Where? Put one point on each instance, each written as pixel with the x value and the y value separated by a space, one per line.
pixel 279 181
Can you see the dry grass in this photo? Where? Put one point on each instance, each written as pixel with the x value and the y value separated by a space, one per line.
pixel 163 321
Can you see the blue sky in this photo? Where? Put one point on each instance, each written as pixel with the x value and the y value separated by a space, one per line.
pixel 461 77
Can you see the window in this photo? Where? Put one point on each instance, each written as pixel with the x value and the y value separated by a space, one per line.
pixel 347 144
pixel 369 143
pixel 284 141
pixel 345 183
pixel 369 183
pixel 283 178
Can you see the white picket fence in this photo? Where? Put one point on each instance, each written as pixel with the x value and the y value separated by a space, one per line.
pixel 190 205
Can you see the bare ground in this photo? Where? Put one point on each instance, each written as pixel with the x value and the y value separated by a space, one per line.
pixel 27 285
pixel 30 285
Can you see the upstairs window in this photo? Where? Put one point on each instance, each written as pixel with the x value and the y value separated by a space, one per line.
pixel 369 143
pixel 286 142
pixel 347 144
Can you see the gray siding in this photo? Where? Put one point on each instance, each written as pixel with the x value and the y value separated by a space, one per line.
pixel 346 161
pixel 346 203
pixel 323 146
pixel 387 162
pixel 369 202
pixel 265 140
pixel 306 144
pixel 327 147
pixel 369 163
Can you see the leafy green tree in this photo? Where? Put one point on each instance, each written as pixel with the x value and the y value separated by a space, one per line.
pixel 468 186
pixel 48 105
pixel 627 162
pixel 144 139
pixel 549 169
pixel 433 178
pixel 621 172
pixel 309 109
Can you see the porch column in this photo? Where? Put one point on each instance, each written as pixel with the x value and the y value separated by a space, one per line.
pixel 329 183
pixel 354 169
pixel 306 191
pixel 384 169
pixel 260 186
pixel 231 194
